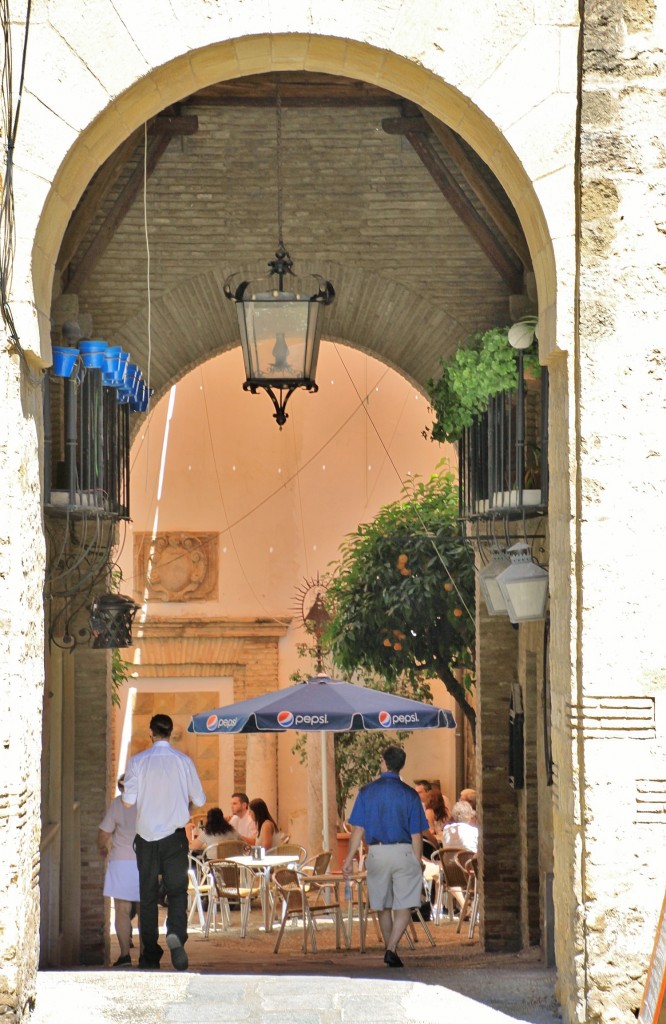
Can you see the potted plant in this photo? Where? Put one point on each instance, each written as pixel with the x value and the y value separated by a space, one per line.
pixel 484 365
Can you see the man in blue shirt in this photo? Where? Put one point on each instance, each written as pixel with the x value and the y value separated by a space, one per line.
pixel 389 815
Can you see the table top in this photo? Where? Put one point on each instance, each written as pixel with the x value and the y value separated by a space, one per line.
pixel 271 860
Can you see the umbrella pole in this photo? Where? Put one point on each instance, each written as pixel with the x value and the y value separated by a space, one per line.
pixel 324 794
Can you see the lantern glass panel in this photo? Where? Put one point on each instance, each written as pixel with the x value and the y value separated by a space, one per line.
pixel 527 596
pixel 279 337
pixel 489 586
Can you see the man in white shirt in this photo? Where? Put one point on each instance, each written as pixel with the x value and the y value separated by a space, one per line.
pixel 162 782
pixel 241 819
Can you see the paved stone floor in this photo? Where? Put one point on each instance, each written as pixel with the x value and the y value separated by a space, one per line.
pixel 232 979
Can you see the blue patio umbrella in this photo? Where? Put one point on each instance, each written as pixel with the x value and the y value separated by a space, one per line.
pixel 322 705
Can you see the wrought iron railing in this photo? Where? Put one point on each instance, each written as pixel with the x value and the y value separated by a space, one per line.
pixel 86 447
pixel 503 456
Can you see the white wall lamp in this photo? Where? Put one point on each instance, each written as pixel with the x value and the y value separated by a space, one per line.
pixel 524 586
pixel 488 584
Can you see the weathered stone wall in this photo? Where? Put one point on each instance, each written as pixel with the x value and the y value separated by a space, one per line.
pixel 609 802
pixel 607 410
pixel 21 680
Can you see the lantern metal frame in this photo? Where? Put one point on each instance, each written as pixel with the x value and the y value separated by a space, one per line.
pixel 261 301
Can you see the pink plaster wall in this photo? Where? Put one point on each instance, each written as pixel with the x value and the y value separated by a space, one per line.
pixel 210 457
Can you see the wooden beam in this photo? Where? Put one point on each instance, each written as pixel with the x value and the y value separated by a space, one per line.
pixel 402 125
pixel 98 190
pixel 106 177
pixel 450 189
pixel 115 217
pixel 509 227
pixel 297 89
pixel 178 124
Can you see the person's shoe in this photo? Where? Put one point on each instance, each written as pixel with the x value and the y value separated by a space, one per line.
pixel 179 957
pixel 148 965
pixel 123 961
pixel 392 959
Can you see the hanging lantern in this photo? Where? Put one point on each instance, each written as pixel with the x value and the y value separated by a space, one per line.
pixel 489 586
pixel 111 619
pixel 280 325
pixel 524 586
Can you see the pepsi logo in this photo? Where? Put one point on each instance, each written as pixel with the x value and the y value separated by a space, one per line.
pixel 285 719
pixel 384 719
pixel 211 722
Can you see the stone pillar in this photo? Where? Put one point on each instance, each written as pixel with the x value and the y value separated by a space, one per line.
pixel 499 859
pixel 261 771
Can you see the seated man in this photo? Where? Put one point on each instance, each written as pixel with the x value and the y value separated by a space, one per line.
pixel 241 819
pixel 462 833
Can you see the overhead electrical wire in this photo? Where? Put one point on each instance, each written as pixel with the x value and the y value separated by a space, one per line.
pixel 10 123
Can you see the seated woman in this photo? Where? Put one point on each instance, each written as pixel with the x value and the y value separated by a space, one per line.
pixel 439 816
pixel 268 832
pixel 461 833
pixel 216 830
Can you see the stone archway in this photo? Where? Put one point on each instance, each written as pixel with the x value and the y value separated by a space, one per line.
pixel 141 88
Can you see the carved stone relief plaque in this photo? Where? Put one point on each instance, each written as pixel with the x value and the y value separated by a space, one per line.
pixel 176 566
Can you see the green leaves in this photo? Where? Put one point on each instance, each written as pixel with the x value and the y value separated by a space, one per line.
pixel 484 365
pixel 402 596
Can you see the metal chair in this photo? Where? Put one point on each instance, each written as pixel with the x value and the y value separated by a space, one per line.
pixel 285 849
pixel 455 877
pixel 225 848
pixel 292 888
pixel 232 883
pixel 318 864
pixel 468 863
pixel 198 889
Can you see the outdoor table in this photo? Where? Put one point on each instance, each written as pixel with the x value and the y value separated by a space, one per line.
pixel 265 865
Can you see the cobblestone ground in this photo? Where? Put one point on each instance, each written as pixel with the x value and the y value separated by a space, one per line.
pixel 232 979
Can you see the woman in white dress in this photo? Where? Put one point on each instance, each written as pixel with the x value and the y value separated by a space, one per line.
pixel 121 882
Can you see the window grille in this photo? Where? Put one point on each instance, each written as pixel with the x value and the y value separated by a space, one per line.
pixel 86 447
pixel 503 456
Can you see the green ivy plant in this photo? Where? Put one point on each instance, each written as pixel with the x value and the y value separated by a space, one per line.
pixel 484 365
pixel 119 673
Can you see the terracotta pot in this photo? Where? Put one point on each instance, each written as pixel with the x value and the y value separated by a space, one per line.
pixel 343 847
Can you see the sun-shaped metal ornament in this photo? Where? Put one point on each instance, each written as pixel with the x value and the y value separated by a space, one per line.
pixel 309 605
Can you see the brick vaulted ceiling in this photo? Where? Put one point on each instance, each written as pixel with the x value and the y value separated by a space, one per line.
pixel 419 238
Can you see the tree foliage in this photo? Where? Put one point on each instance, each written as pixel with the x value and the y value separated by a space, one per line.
pixel 401 598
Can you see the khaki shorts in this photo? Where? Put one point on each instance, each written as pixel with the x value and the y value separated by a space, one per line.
pixel 395 879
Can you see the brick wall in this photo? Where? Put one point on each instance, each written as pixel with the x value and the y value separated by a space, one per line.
pixel 93 732
pixel 500 859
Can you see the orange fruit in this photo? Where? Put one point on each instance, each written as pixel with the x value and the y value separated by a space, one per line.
pixel 457 612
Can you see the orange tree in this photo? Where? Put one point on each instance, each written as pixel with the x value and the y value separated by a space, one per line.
pixel 401 598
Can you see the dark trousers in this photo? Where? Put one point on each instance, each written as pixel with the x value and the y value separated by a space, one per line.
pixel 166 857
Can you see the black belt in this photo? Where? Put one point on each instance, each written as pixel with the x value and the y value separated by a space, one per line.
pixel 394 842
